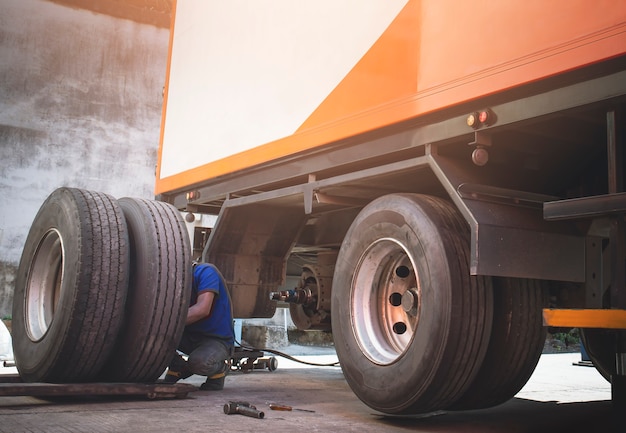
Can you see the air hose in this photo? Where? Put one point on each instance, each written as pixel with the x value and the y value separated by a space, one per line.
pixel 289 357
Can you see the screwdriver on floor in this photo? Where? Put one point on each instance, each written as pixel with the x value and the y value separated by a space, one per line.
pixel 275 406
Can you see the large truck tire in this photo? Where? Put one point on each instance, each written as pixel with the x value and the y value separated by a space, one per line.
pixel 70 287
pixel 411 326
pixel 158 293
pixel 515 346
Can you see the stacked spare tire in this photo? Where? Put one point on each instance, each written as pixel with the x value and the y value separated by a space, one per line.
pixel 102 289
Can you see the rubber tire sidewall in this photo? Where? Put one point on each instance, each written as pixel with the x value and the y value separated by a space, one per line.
pixel 75 344
pixel 515 346
pixel 406 385
pixel 158 295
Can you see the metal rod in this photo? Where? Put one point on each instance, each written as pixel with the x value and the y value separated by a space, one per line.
pixel 614 155
pixel 617 232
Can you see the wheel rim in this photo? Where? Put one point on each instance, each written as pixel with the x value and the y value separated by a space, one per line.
pixel 44 282
pixel 385 301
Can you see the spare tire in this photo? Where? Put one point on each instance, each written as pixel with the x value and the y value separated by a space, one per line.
pixel 70 287
pixel 158 294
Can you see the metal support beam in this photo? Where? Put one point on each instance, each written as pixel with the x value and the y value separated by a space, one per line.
pixel 594 284
pixel 615 160
pixel 618 261
pixel 615 155
pixel 585 207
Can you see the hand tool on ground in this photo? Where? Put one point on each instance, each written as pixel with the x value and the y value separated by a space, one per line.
pixel 242 408
pixel 275 406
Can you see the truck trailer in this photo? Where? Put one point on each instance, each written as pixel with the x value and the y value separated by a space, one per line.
pixel 445 178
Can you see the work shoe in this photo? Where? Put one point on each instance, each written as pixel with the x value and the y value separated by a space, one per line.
pixel 214 383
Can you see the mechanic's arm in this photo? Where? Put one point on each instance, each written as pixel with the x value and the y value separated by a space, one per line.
pixel 201 309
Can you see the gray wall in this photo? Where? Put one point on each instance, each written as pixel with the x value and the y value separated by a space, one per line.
pixel 80 106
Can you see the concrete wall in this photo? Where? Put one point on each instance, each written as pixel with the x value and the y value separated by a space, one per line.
pixel 80 106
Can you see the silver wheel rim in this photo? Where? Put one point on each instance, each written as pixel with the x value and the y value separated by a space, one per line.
pixel 44 283
pixel 385 301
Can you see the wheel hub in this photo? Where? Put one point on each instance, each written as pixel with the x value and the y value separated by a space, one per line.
pixel 385 301
pixel 44 285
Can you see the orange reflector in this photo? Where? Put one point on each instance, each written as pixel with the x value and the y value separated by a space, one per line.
pixel 609 319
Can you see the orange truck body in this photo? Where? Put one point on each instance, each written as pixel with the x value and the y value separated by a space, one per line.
pixel 423 57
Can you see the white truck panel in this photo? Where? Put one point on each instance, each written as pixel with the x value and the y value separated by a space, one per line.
pixel 247 72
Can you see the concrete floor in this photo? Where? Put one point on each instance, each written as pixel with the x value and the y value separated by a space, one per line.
pixel 559 397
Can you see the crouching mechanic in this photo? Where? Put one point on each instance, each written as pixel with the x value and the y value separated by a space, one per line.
pixel 208 339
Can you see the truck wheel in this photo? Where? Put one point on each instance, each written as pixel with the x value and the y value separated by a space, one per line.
pixel 600 346
pixel 70 287
pixel 158 293
pixel 516 343
pixel 411 326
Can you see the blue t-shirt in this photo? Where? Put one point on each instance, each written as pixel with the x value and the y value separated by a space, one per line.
pixel 219 323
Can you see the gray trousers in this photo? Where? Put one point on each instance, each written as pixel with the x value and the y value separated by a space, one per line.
pixel 207 355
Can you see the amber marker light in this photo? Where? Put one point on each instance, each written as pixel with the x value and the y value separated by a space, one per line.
pixel 472 120
pixel 193 195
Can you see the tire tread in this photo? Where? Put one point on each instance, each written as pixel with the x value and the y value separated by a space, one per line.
pixel 155 320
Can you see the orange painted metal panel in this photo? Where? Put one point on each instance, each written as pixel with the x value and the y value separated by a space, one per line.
pixel 609 319
pixel 388 72
pixel 437 54
pixel 160 187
